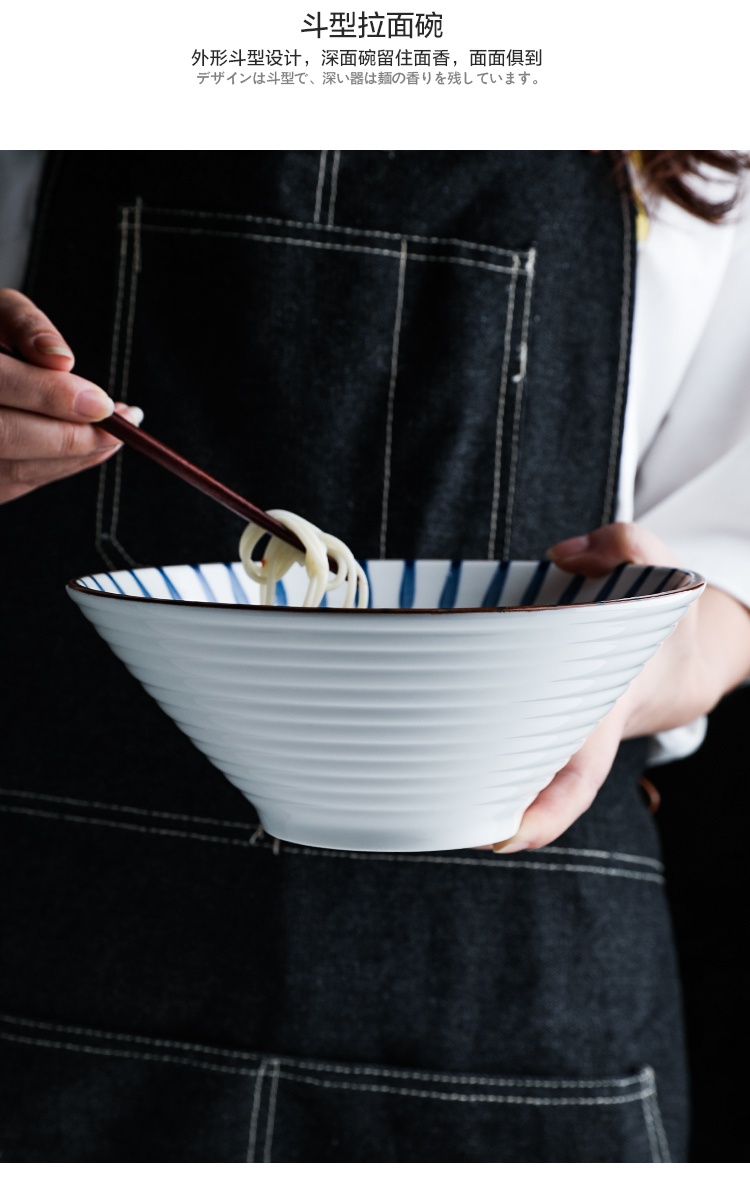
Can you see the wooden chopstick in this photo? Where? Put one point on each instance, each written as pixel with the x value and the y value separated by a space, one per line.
pixel 174 462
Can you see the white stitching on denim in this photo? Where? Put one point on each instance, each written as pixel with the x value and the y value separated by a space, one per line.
pixel 116 503
pixel 128 345
pixel 17 1021
pixel 79 820
pixel 259 832
pixel 99 514
pixel 273 222
pixel 318 194
pixel 312 1066
pixel 401 1091
pixel 128 808
pixel 334 185
pixel 114 352
pixel 614 854
pixel 614 449
pixel 657 1120
pixel 271 1118
pixel 114 349
pixel 116 512
pixel 519 381
pixel 252 1137
pixel 330 247
pixel 331 1067
pixel 648 1118
pixel 89 1050
pixel 469 1098
pixel 501 410
pixel 134 272
pixel 498 862
pixel 462 1078
pixel 392 398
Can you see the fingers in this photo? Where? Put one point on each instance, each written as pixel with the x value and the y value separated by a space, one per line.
pixel 572 790
pixel 601 551
pixel 25 329
pixel 48 416
pixel 19 475
pixel 24 436
pixel 51 393
pixel 18 478
pixel 27 437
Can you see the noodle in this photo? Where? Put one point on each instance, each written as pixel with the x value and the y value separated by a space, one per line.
pixel 319 546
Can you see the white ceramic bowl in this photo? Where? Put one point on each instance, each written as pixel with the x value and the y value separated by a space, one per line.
pixel 428 722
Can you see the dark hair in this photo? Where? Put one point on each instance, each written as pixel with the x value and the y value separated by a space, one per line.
pixel 666 173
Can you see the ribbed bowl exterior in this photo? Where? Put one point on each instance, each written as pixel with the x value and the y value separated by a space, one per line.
pixel 385 732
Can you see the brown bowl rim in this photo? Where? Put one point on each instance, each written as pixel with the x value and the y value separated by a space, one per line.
pixel 695 582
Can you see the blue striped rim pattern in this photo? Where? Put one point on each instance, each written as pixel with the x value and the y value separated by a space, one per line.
pixel 449 592
pixel 137 580
pixel 571 590
pixel 239 594
pixel 406 593
pixel 205 585
pixel 175 593
pixel 406 585
pixel 369 584
pixel 610 584
pixel 535 585
pixel 495 588
pixel 639 581
pixel 664 581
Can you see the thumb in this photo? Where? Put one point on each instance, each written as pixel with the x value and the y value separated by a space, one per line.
pixel 28 332
pixel 600 551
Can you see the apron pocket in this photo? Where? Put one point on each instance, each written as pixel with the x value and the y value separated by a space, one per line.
pixel 305 1111
pixel 76 1094
pixel 359 340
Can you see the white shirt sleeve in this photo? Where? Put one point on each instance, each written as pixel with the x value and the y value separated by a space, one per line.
pixel 685 466
pixel 686 456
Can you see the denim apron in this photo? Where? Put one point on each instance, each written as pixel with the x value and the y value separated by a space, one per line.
pixel 425 353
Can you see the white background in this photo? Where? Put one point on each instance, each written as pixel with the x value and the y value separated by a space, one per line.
pixel 91 74
pixel 347 1175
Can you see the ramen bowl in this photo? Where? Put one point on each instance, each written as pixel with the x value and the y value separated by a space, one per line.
pixel 428 721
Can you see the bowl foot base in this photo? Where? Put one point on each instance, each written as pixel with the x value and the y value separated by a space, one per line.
pixel 405 834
